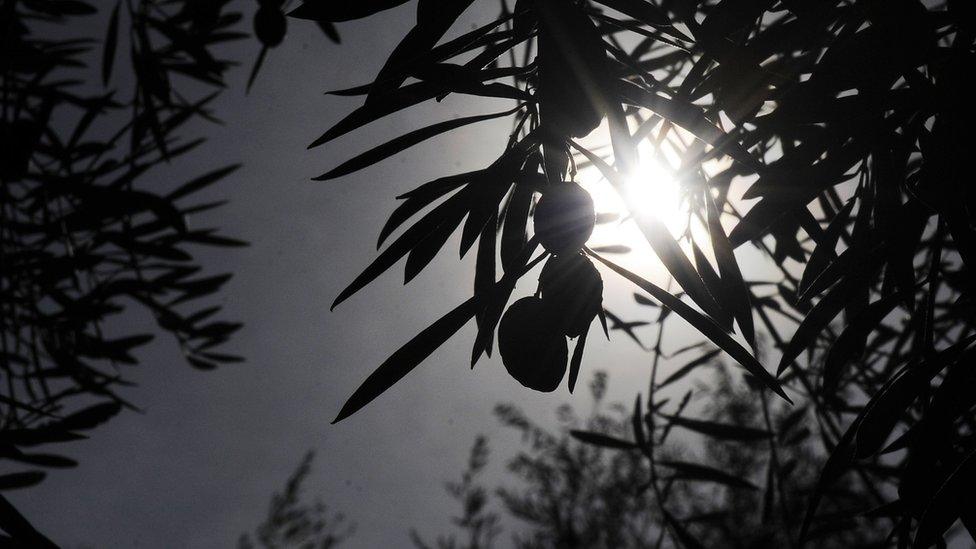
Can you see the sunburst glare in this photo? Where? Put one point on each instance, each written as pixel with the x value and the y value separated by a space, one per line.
pixel 651 190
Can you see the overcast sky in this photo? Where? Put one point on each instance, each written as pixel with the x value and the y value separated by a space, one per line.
pixel 197 468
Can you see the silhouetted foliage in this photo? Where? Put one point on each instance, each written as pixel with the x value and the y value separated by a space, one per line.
pixel 848 122
pixel 571 492
pixel 290 523
pixel 476 520
pixel 89 114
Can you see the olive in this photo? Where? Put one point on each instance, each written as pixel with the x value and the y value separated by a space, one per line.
pixel 564 218
pixel 270 25
pixel 573 69
pixel 533 351
pixel 17 141
pixel 571 285
pixel 524 18
pixel 203 14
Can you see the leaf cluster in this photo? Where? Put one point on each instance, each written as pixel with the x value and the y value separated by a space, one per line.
pixel 587 482
pixel 90 116
pixel 292 523
pixel 848 125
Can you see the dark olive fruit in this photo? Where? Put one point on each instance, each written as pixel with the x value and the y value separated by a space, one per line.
pixel 524 19
pixel 564 218
pixel 572 286
pixel 573 68
pixel 17 140
pixel 203 14
pixel 270 25
pixel 532 350
pixel 964 11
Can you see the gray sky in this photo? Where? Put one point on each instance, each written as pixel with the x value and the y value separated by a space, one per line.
pixel 198 467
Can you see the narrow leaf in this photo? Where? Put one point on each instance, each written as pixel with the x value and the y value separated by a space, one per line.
pixel 814 322
pixel 335 11
pixel 695 471
pixel 825 251
pixel 616 323
pixel 400 247
pixel 15 525
pixel 404 142
pixel 687 368
pixel 736 294
pixel 641 10
pixel 704 325
pixel 514 234
pixel 605 441
pixel 406 358
pixel 407 96
pixel 90 417
pixel 432 24
pixel 419 202
pixel 26 479
pixel 689 117
pixel 713 284
pixel 201 182
pixel 637 424
pixel 111 41
pixel 721 431
pixel 574 364
pixel 612 249
pixel 846 347
pixel 425 250
pixel 952 497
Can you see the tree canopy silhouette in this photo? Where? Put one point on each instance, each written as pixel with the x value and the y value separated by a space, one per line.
pixel 578 489
pixel 567 487
pixel 846 122
pixel 291 523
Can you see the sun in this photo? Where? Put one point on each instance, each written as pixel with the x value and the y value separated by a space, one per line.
pixel 651 190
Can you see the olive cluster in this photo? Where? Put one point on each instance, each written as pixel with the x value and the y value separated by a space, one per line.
pixel 18 138
pixel 270 23
pixel 533 331
pixel 572 69
pixel 572 65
